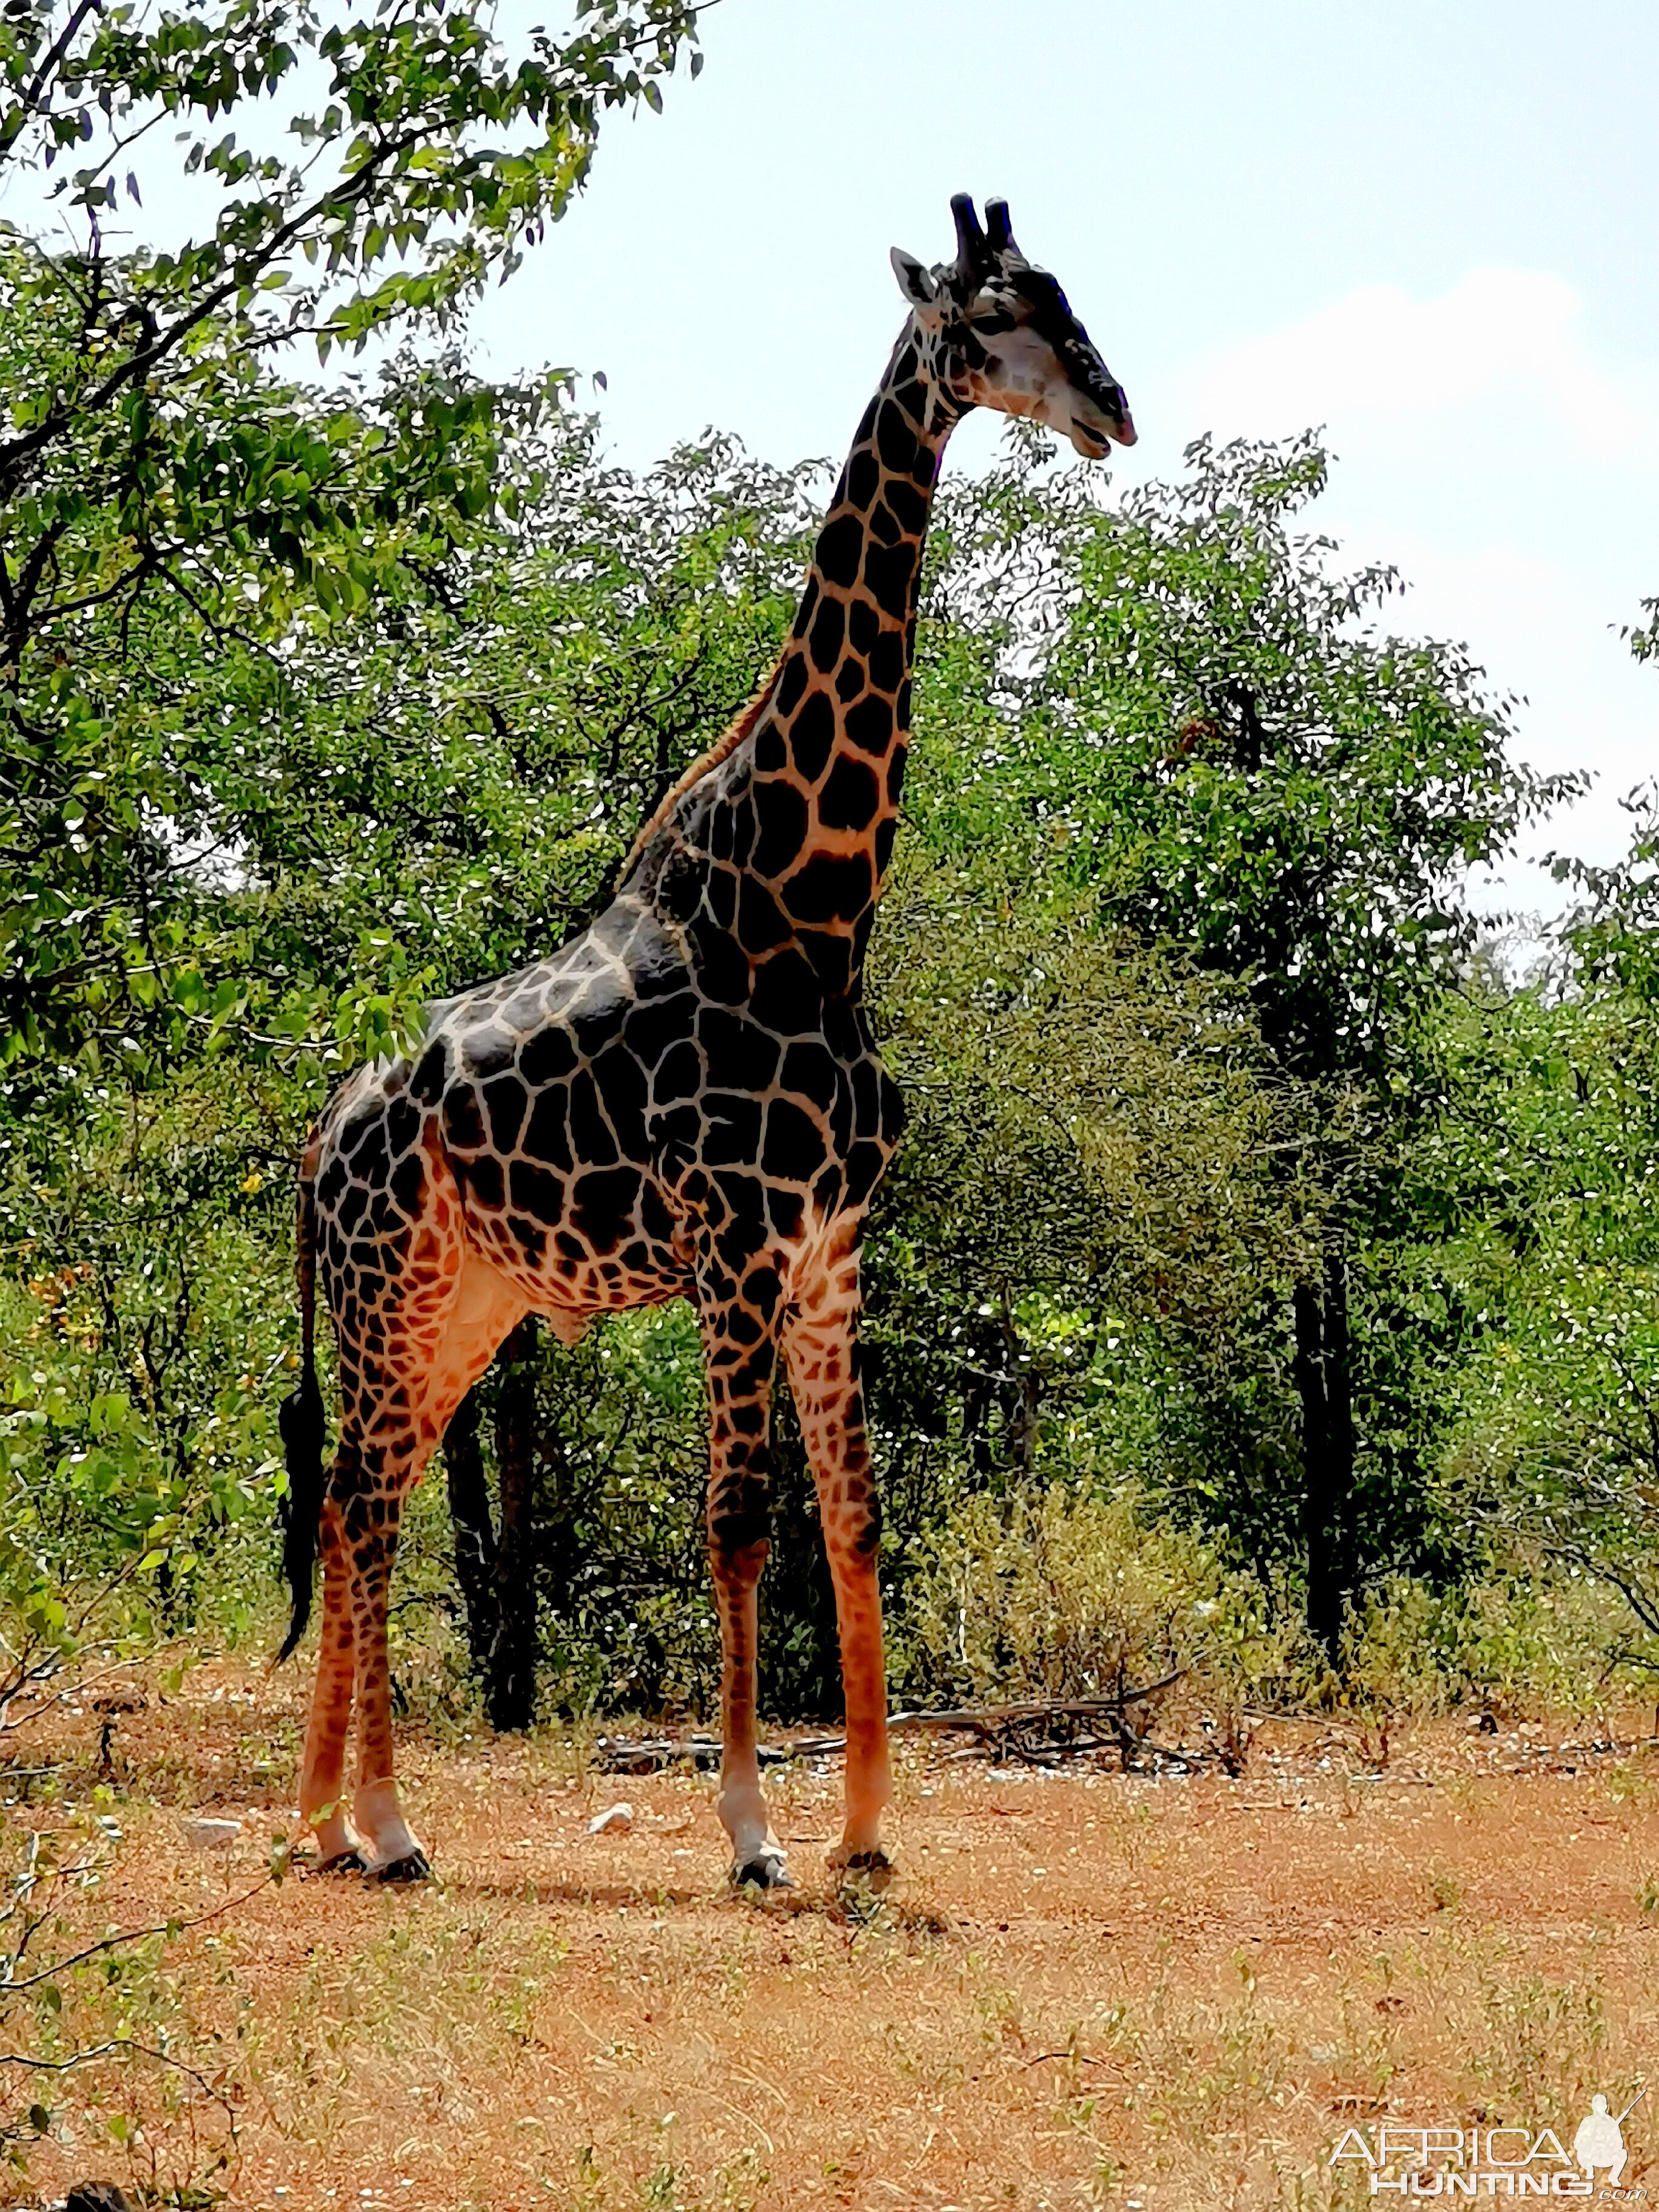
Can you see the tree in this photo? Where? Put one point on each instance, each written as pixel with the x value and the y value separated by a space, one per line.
pixel 181 518
pixel 162 481
pixel 1205 729
pixel 1540 1172
pixel 1096 1193
pixel 1612 933
pixel 1550 1139
pixel 430 785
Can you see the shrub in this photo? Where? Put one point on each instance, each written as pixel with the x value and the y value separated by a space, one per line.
pixel 1057 1594
pixel 1549 1645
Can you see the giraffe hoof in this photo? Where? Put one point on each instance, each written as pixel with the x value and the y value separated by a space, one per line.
pixel 766 1869
pixel 411 1867
pixel 349 1860
pixel 870 1869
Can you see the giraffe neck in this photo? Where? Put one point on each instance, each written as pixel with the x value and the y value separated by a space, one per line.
pixel 828 744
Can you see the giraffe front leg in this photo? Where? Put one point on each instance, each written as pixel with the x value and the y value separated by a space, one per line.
pixel 821 1347
pixel 739 1470
pixel 389 1848
pixel 757 1854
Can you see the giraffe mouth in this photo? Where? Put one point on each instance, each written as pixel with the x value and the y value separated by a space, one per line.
pixel 1090 440
pixel 1094 435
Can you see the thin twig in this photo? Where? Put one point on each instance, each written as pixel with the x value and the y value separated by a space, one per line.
pixel 135 1935
pixel 105 2050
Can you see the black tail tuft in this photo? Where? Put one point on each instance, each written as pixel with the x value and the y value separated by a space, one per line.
pixel 304 1432
pixel 300 1418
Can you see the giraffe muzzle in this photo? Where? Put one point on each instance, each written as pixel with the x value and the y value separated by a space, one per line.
pixel 1094 435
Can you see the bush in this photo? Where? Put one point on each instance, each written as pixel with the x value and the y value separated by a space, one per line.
pixel 1061 1594
pixel 1533 1645
pixel 1057 1594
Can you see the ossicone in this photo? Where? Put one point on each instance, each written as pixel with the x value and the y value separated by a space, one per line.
pixel 999 231
pixel 978 250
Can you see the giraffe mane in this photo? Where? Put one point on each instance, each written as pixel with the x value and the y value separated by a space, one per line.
pixel 723 748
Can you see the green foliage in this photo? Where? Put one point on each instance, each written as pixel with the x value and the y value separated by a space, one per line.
pixel 172 506
pixel 327 703
pixel 1054 1595
pixel 1520 1644
pixel 1547 1154
pixel 1204 736
pixel 451 780
pixel 149 1320
pixel 621 1457
pixel 1213 740
pixel 1614 930
pixel 1054 1592
pixel 1087 1118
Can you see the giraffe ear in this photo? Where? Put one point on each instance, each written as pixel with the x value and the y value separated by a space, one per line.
pixel 915 281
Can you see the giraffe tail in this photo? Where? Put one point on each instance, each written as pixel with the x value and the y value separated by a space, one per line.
pixel 301 1421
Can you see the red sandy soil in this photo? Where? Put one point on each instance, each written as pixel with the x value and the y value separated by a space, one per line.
pixel 1088 1989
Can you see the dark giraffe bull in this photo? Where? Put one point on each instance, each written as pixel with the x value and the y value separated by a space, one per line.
pixel 685 1101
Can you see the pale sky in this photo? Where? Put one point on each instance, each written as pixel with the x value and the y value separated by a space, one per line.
pixel 1433 228
pixel 1430 226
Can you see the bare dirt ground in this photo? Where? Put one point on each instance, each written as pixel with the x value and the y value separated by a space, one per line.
pixel 1090 1989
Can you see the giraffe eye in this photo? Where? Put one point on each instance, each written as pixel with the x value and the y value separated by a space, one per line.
pixel 989 326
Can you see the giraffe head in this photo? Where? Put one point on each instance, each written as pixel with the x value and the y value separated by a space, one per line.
pixel 997 331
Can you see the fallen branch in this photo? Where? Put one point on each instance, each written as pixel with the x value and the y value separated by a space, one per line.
pixel 1042 1732
pixel 989 1718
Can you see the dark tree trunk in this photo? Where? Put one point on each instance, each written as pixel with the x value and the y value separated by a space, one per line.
pixel 800 1650
pixel 1328 1448
pixel 512 1661
pixel 475 1530
pixel 1027 1385
pixel 558 1511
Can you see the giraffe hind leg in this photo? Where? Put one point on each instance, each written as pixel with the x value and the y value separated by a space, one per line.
pixel 322 1778
pixel 401 1415
pixel 408 1350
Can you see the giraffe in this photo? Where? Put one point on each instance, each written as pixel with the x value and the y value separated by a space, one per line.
pixel 684 1100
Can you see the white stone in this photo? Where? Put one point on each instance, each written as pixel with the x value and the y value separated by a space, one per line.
pixel 210 1835
pixel 615 1820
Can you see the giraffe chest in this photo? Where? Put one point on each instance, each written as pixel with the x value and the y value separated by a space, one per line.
pixel 782 1115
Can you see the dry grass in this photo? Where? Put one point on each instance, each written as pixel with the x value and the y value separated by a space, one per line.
pixel 1088 1990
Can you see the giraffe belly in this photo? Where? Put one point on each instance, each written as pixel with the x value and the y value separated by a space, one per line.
pixel 573 1236
pixel 389 1185
pixel 612 1121
pixel 600 1260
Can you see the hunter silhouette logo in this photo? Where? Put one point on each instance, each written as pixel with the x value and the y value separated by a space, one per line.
pixel 1600 2141
pixel 1416 2161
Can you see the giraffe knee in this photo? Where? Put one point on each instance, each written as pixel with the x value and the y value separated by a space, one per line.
pixel 738 1534
pixel 851 1524
pixel 740 1501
